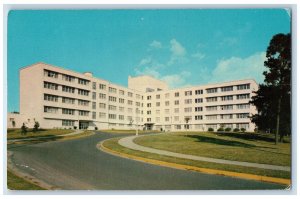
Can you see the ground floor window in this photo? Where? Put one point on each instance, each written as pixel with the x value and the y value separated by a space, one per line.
pixel 178 127
pixel 186 126
pixel 67 123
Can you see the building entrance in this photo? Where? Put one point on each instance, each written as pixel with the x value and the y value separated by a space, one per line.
pixel 83 125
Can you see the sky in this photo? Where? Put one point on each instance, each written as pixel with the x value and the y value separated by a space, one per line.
pixel 182 47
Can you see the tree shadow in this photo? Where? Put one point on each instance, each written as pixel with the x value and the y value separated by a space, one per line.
pixel 247 136
pixel 220 141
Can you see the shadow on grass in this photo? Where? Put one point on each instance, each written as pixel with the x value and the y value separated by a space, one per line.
pixel 220 141
pixel 36 140
pixel 247 136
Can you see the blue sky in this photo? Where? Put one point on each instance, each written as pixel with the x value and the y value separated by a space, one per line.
pixel 181 47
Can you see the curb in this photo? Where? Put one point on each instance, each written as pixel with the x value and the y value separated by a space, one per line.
pixel 193 168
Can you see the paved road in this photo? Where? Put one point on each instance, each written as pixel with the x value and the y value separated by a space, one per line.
pixel 79 165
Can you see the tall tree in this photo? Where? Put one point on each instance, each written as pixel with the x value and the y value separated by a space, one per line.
pixel 273 97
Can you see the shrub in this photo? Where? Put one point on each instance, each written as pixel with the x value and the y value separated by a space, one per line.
pixel 96 128
pixel 221 129
pixel 228 129
pixel 75 127
pixel 36 126
pixel 23 129
pixel 243 130
pixel 210 129
pixel 236 130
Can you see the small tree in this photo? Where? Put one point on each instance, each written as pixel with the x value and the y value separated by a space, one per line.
pixel 221 129
pixel 210 129
pixel 23 129
pixel 236 130
pixel 13 123
pixel 36 126
pixel 228 129
pixel 243 130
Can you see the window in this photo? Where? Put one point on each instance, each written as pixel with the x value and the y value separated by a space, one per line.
pixel 188 93
pixel 94 115
pixel 157 103
pixel 167 119
pixel 112 99
pixel 198 109
pixel 68 111
pixel 227 107
pixel 167 103
pixel 212 99
pixel 227 88
pixel 112 90
pixel 94 95
pixel 68 78
pixel 149 97
pixel 148 104
pixel 243 86
pixel 68 89
pixel 137 96
pixel 112 108
pixel 129 102
pixel 68 100
pixel 130 94
pixel 49 109
pixel 198 100
pixel 121 109
pixel 102 96
pixel 121 92
pixel 129 110
pixel 167 95
pixel 211 108
pixel 178 127
pixel 52 98
pixel 242 125
pixel 102 115
pixel 227 98
pixel 67 123
pixel 121 100
pixel 112 116
pixel 51 86
pixel 226 116
pixel 148 112
pixel 157 96
pixel 83 92
pixel 94 105
pixel 176 94
pixel 176 110
pixel 188 101
pixel 102 86
pixel 158 112
pixel 242 115
pixel 212 90
pixel 243 106
pixel 157 119
pixel 102 105
pixel 167 111
pixel 211 117
pixel 198 92
pixel 121 117
pixel 176 118
pixel 148 119
pixel 188 109
pixel 243 96
pixel 83 81
pixel 176 102
pixel 94 85
pixel 49 73
pixel 137 103
pixel 198 117
pixel 83 102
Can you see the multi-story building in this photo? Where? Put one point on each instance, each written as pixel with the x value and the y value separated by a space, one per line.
pixel 60 98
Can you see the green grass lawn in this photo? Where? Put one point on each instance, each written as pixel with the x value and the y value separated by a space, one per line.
pixel 16 133
pixel 16 183
pixel 230 146
pixel 127 131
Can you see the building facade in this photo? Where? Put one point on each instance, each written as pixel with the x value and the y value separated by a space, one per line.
pixel 60 98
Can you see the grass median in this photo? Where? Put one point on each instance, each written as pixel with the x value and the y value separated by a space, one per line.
pixel 16 183
pixel 113 145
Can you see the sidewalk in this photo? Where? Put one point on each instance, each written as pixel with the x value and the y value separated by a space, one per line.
pixel 38 138
pixel 128 143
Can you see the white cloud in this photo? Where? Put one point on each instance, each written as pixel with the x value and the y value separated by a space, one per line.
pixel 155 44
pixel 236 68
pixel 176 48
pixel 198 55
pixel 228 41
pixel 145 61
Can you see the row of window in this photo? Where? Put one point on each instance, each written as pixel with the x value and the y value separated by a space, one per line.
pixel 65 111
pixel 69 78
pixel 66 100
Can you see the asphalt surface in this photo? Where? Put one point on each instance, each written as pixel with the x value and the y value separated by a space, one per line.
pixel 78 165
